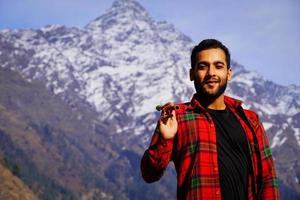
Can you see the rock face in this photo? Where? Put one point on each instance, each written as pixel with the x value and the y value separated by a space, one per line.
pixel 79 104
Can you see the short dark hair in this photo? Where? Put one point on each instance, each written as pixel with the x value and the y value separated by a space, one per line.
pixel 209 44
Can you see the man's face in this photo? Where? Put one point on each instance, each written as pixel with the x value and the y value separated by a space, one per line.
pixel 210 73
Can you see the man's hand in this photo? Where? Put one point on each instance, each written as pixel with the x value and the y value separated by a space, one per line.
pixel 167 123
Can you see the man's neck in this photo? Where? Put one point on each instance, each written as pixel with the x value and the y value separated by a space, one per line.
pixel 214 104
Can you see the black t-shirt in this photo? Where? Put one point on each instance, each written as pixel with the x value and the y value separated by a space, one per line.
pixel 233 155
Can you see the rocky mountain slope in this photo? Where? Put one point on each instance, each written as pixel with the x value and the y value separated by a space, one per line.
pixel 79 103
pixel 11 187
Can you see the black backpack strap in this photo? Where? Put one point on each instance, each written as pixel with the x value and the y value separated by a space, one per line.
pixel 257 152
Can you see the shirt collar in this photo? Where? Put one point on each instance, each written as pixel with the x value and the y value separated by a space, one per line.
pixel 229 101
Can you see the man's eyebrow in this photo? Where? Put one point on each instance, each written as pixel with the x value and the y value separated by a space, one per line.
pixel 219 62
pixel 202 62
pixel 215 63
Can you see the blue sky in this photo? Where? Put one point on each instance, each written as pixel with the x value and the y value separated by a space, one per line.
pixel 263 35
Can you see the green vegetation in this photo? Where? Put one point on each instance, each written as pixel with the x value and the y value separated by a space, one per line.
pixel 15 169
pixel 20 165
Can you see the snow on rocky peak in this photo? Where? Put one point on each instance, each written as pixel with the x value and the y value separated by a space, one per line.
pixel 119 13
pixel 138 53
pixel 263 95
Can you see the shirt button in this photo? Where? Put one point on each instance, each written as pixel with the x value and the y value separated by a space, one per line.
pixel 215 169
pixel 211 125
pixel 217 192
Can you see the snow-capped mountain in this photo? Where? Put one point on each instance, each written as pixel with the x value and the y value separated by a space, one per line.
pixel 124 63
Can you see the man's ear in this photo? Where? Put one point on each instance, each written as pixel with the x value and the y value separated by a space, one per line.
pixel 229 74
pixel 192 74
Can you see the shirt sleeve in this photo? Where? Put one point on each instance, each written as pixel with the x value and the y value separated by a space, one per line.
pixel 269 189
pixel 156 158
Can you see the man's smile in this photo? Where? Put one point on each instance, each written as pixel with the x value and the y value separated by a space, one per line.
pixel 211 82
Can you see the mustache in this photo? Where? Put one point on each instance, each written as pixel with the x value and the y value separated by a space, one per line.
pixel 211 79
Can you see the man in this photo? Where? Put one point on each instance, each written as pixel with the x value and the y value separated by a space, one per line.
pixel 219 149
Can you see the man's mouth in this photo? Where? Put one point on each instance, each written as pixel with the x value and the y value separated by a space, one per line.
pixel 211 82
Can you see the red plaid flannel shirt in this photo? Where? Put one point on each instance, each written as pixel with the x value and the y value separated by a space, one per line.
pixel 194 153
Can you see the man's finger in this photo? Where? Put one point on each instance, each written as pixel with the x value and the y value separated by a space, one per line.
pixel 165 118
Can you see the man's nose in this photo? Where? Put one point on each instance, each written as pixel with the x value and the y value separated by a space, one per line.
pixel 211 71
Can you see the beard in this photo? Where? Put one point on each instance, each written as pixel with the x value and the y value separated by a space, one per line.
pixel 207 95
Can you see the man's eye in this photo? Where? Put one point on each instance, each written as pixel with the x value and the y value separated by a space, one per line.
pixel 219 66
pixel 201 67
